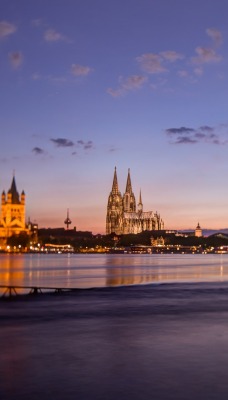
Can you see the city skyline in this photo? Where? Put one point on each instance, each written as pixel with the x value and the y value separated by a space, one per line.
pixel 87 86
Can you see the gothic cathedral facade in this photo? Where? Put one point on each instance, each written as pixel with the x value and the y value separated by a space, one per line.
pixel 122 215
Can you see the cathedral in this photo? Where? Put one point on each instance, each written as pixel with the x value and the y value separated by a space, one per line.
pixel 12 217
pixel 122 216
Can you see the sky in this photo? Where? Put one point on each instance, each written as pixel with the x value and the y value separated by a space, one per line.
pixel 87 85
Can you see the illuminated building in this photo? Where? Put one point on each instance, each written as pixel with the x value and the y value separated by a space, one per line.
pixel 122 216
pixel 12 217
pixel 198 231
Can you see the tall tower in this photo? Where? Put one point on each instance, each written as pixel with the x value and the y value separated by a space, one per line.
pixel 114 209
pixel 129 203
pixel 67 221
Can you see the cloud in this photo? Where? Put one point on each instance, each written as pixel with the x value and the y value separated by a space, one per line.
pixel 151 63
pixel 86 145
pixel 6 29
pixel 205 56
pixel 171 56
pixel 133 82
pixel 38 150
pixel 203 134
pixel 62 142
pixel 115 92
pixel 16 59
pixel 80 70
pixel 154 63
pixel 112 149
pixel 50 35
pixel 206 128
pixel 215 35
pixel 179 131
pixel 185 140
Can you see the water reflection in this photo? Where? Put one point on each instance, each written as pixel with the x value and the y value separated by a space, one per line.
pixel 84 271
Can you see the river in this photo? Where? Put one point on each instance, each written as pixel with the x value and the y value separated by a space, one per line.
pixel 105 270
pixel 139 327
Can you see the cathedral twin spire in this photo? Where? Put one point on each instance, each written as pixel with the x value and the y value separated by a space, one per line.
pixel 128 185
pixel 129 203
pixel 115 188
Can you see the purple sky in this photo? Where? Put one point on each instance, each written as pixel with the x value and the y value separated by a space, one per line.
pixel 89 85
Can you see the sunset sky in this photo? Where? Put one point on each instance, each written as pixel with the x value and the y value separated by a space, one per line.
pixel 87 85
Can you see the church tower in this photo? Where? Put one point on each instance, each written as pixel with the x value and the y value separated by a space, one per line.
pixel 12 219
pixel 198 231
pixel 129 203
pixel 114 209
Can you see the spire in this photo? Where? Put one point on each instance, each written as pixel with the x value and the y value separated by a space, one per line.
pixel 140 197
pixel 140 204
pixel 115 188
pixel 13 191
pixel 128 185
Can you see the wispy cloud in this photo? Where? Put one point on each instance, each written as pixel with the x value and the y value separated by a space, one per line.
pixel 51 35
pixel 205 56
pixel 16 59
pixel 112 149
pixel 6 29
pixel 133 82
pixel 85 145
pixel 156 63
pixel 151 63
pixel 215 35
pixel 203 134
pixel 80 70
pixel 38 151
pixel 171 56
pixel 62 142
pixel 179 131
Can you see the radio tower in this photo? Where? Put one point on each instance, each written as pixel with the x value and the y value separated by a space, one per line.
pixel 67 221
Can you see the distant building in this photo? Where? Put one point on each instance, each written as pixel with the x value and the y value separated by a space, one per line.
pixel 12 216
pixel 198 231
pixel 158 241
pixel 122 216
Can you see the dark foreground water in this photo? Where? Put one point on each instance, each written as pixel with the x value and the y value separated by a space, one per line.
pixel 167 339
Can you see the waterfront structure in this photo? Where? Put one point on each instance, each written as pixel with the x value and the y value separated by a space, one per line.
pixel 122 215
pixel 198 231
pixel 12 216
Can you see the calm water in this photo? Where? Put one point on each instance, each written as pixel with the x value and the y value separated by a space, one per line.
pixel 87 271
pixel 140 342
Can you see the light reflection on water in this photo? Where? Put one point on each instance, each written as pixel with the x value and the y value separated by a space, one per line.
pixel 85 271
